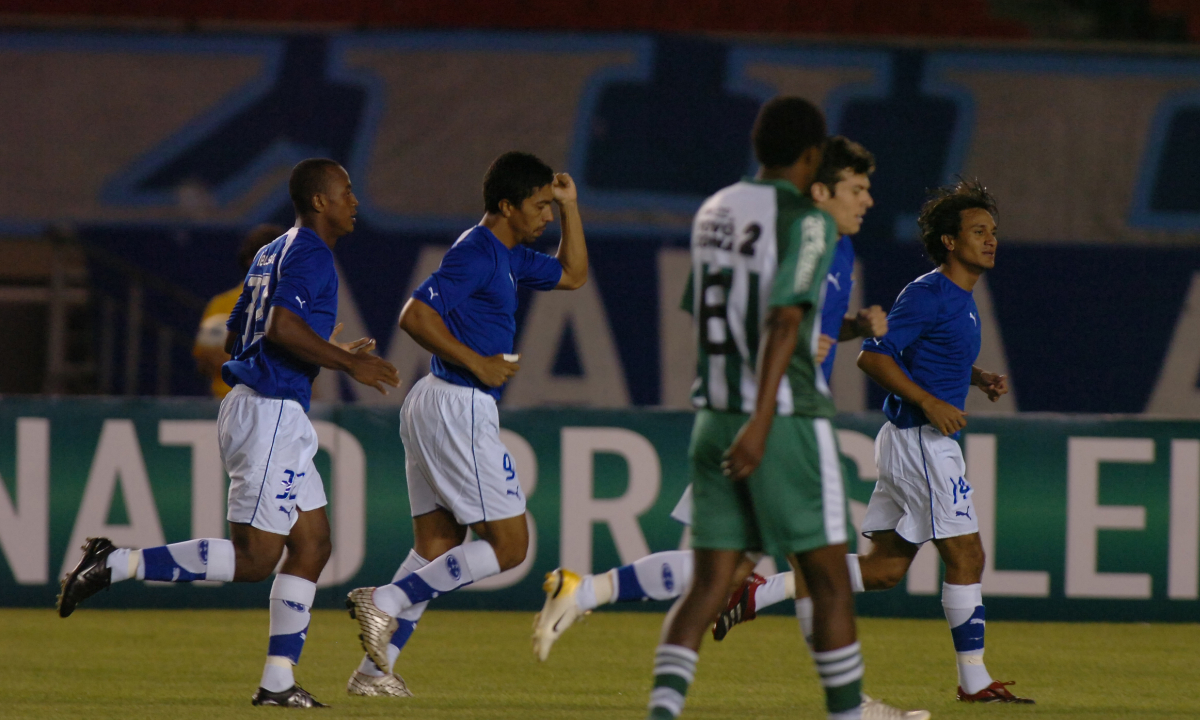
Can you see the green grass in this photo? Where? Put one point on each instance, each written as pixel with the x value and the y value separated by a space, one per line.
pixel 127 665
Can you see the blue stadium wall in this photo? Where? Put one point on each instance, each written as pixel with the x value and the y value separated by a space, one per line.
pixel 165 149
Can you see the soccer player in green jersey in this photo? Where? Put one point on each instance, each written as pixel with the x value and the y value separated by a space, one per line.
pixel 764 458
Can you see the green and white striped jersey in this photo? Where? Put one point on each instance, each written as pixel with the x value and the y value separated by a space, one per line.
pixel 757 244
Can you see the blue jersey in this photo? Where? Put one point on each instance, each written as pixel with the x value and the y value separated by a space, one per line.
pixel 475 292
pixel 294 271
pixel 933 334
pixel 838 284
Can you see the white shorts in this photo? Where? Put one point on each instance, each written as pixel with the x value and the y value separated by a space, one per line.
pixel 453 456
pixel 268 445
pixel 683 509
pixel 922 492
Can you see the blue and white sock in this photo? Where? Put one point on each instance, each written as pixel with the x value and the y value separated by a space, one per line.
pixel 203 559
pixel 804 613
pixel 291 606
pixel 964 611
pixel 463 565
pixel 407 619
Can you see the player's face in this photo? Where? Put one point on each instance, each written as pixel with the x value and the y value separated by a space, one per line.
pixel 341 206
pixel 975 245
pixel 530 219
pixel 849 203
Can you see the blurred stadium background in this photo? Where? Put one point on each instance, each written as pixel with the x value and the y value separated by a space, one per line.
pixel 143 139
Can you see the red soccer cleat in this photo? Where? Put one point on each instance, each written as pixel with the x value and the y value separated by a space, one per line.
pixel 997 692
pixel 740 608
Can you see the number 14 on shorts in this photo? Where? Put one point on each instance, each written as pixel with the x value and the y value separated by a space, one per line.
pixel 961 489
pixel 510 475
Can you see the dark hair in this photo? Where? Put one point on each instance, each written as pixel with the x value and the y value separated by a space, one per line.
pixel 514 176
pixel 942 214
pixel 785 127
pixel 841 153
pixel 308 179
pixel 254 241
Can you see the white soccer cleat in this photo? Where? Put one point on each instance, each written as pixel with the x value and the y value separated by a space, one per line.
pixel 390 685
pixel 559 611
pixel 875 710
pixel 375 626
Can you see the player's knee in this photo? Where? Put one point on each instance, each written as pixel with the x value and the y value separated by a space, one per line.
pixel 889 576
pixel 968 562
pixel 511 554
pixel 254 568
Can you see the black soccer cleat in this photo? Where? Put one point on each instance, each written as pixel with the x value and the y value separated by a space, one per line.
pixel 89 577
pixel 293 697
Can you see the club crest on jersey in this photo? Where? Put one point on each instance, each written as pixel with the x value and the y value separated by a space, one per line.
pixel 668 577
pixel 453 568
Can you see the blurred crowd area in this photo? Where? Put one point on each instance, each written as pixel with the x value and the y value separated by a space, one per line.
pixel 1145 20
pixel 151 138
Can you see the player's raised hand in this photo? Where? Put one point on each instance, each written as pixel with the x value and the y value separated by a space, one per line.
pixel 374 371
pixel 871 322
pixel 359 345
pixel 744 455
pixel 564 189
pixel 944 416
pixel 993 385
pixel 495 370
pixel 824 344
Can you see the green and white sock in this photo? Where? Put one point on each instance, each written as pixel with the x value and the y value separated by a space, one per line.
pixel 674 670
pixel 841 672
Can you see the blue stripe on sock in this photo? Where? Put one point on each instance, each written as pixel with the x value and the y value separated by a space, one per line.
pixel 415 588
pixel 629 589
pixel 968 637
pixel 288 646
pixel 403 633
pixel 160 565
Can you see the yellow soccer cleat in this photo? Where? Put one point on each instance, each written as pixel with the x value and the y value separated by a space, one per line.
pixel 559 611
pixel 390 685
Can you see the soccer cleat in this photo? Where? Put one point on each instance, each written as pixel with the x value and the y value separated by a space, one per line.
pixel 740 608
pixel 390 685
pixel 89 577
pixel 293 697
pixel 875 710
pixel 997 692
pixel 559 612
pixel 376 626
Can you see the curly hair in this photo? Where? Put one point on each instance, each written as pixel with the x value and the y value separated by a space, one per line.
pixel 942 214
pixel 786 126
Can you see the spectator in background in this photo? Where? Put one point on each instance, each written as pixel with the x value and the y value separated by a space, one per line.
pixel 209 349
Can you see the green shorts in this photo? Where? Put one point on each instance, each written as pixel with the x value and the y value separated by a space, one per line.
pixel 794 502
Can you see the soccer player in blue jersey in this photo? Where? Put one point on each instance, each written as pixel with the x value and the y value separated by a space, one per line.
pixel 926 363
pixel 279 339
pixel 459 473
pixel 842 189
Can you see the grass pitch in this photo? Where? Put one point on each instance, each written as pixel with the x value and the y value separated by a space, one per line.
pixel 185 664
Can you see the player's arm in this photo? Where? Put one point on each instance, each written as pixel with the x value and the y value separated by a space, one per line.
pixel 775 352
pixel 572 251
pixel 426 326
pixel 867 322
pixel 891 377
pixel 993 384
pixel 289 331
